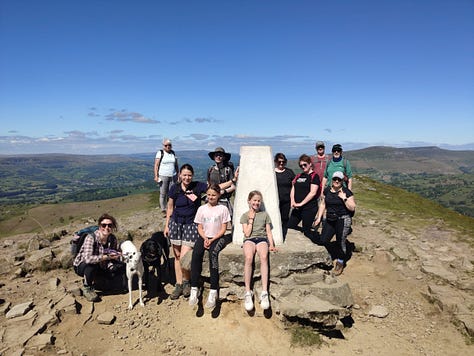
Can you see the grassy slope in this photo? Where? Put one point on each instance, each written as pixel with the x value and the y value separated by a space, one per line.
pixel 48 216
pixel 410 210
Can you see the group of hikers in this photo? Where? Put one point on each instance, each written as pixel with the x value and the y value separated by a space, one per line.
pixel 320 195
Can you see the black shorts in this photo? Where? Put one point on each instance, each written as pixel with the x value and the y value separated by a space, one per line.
pixel 256 240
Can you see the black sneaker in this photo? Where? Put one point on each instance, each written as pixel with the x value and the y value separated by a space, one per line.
pixel 178 290
pixel 186 289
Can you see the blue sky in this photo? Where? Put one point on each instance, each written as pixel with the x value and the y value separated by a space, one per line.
pixel 118 76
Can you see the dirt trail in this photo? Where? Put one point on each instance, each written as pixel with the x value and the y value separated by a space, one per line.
pixel 413 326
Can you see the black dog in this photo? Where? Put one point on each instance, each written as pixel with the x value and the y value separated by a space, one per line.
pixel 152 251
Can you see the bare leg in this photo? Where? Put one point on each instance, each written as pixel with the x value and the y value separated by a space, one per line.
pixel 185 274
pixel 262 250
pixel 249 252
pixel 177 264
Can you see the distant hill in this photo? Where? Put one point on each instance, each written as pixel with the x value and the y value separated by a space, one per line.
pixel 54 178
pixel 444 176
pixel 441 175
pixel 412 160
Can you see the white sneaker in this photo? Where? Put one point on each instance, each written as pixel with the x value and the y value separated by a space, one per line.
pixel 248 297
pixel 193 297
pixel 211 299
pixel 264 301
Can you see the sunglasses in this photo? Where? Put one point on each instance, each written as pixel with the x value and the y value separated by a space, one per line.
pixel 218 154
pixel 304 165
pixel 320 148
pixel 167 145
pixel 107 225
pixel 281 162
pixel 337 179
pixel 336 151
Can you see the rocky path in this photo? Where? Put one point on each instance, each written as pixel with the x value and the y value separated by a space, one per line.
pixel 413 294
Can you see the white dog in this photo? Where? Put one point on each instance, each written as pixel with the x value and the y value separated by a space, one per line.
pixel 133 259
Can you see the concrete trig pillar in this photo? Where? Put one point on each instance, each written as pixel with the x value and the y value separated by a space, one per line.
pixel 256 172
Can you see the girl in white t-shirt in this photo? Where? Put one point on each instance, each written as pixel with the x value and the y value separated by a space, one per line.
pixel 212 220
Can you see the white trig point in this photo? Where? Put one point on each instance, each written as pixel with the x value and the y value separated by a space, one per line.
pixel 256 172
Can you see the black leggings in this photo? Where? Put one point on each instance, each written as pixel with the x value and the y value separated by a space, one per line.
pixel 88 271
pixel 285 215
pixel 92 271
pixel 198 255
pixel 341 228
pixel 306 215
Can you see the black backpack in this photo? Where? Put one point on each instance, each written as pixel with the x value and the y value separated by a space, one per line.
pixel 79 236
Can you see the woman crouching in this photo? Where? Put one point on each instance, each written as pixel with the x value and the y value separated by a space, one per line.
pixel 338 205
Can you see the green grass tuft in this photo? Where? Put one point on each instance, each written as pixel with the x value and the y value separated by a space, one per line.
pixel 302 336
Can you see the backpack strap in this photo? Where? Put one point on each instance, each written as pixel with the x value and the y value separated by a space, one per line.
pixel 296 178
pixel 175 161
pixel 313 174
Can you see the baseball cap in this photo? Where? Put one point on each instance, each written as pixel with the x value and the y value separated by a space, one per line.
pixel 319 144
pixel 336 147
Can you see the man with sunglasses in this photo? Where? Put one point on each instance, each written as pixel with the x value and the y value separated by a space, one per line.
pixel 98 259
pixel 319 161
pixel 338 163
pixel 166 172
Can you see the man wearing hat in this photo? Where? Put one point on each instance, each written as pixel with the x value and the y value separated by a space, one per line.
pixel 319 161
pixel 223 174
pixel 338 163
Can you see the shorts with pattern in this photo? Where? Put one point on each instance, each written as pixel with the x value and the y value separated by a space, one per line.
pixel 183 234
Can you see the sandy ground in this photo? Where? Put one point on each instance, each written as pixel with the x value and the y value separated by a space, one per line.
pixel 413 326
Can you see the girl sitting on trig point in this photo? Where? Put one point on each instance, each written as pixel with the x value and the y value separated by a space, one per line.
pixel 258 238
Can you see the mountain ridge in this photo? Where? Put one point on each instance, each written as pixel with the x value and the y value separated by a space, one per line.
pixel 442 175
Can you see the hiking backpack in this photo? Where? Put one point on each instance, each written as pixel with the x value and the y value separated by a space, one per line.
pixel 79 236
pixel 299 175
pixel 176 168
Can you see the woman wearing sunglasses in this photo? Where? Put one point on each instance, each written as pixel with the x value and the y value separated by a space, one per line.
pixel 304 197
pixel 284 179
pixel 339 206
pixel 99 257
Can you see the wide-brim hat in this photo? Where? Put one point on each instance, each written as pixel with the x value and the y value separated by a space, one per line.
pixel 220 150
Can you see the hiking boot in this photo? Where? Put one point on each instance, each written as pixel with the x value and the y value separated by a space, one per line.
pixel 338 268
pixel 193 297
pixel 211 299
pixel 90 294
pixel 186 289
pixel 178 290
pixel 248 300
pixel 264 301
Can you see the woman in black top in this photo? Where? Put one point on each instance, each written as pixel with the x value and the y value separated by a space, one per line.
pixel 284 178
pixel 304 198
pixel 339 206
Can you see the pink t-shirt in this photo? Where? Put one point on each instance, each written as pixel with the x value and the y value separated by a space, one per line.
pixel 211 218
